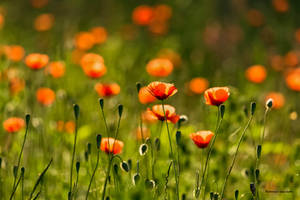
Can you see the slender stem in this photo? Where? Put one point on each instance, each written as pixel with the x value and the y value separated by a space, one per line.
pixel 22 185
pixel 107 175
pixel 235 155
pixel 219 121
pixel 97 163
pixel 172 153
pixel 15 188
pixel 73 156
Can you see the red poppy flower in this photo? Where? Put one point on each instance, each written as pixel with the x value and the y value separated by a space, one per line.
pixel 36 60
pixel 161 90
pixel 45 96
pixel 110 145
pixel 13 124
pixel 107 90
pixel 145 96
pixel 202 138
pixel 93 65
pixel 169 111
pixel 56 69
pixel 142 15
pixel 216 96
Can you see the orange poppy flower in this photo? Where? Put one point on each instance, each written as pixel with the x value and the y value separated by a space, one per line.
pixel 93 65
pixel 169 111
pixel 161 90
pixel 291 59
pixel 277 62
pixel 70 126
pixel 216 96
pixel 280 5
pixel 278 99
pixel 14 53
pixel 256 73
pixel 142 15
pixel 162 13
pixel 36 60
pixel 44 22
pixel 159 67
pixel 145 96
pixel 145 135
pixel 100 34
pixel 2 20
pixel 255 18
pixel 60 125
pixel 202 138
pixel 158 27
pixel 76 55
pixel 107 90
pixel 16 85
pixel 110 145
pixel 56 69
pixel 292 79
pixel 149 117
pixel 45 96
pixel 13 124
pixel 198 85
pixel 84 40
pixel 39 3
pixel 173 56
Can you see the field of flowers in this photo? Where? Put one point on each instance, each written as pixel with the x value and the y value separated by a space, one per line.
pixel 129 100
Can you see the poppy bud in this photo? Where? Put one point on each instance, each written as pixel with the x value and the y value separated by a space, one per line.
pixel 246 111
pixel 86 156
pixel 211 195
pixel 15 171
pixel 157 144
pixel 27 119
pixel 252 188
pixel 258 151
pixel 183 197
pixel 135 179
pixel 222 110
pixel 116 168
pixel 101 102
pixel 253 107
pixel 129 162
pixel 138 86
pixel 77 166
pixel 107 198
pixel 178 137
pixel 182 119
pixel 150 184
pixel 22 171
pixel 124 166
pixel 257 174
pixel 236 194
pixel 76 111
pixel 120 109
pixel 269 103
pixel 216 196
pixel 143 149
pixel 89 148
pixel 99 137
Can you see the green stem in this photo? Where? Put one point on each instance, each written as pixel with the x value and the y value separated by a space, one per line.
pixel 235 155
pixel 73 156
pixel 94 172
pixel 172 153
pixel 106 178
pixel 15 188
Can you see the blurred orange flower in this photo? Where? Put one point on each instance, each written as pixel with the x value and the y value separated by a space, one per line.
pixel 255 18
pixel 173 56
pixel 77 55
pixel 56 69
pixel 39 3
pixel 169 111
pixel 145 135
pixel 70 126
pixel 2 20
pixel 161 90
pixel 278 99
pixel 60 125
pixel 84 40
pixel 145 96
pixel 36 61
pixel 162 13
pixel 198 85
pixel 13 124
pixel 93 65
pixel 14 53
pixel 158 27
pixel 149 117
pixel 100 34
pixel 277 62
pixel 44 22
pixel 110 145
pixel 280 5
pixel 142 15
pixel 256 73
pixel 216 96
pixel 297 35
pixel 159 67
pixel 107 90
pixel 292 79
pixel 202 138
pixel 45 96
pixel 291 59
pixel 16 85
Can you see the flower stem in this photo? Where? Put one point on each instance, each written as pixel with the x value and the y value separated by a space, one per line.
pixel 73 157
pixel 97 163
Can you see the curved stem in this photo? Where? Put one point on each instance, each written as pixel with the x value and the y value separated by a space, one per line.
pixel 94 172
pixel 107 175
pixel 73 156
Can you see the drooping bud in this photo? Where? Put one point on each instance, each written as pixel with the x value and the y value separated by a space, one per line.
pixel 76 111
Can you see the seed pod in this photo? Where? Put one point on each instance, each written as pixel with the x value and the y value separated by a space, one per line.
pixel 269 103
pixel 143 149
pixel 124 166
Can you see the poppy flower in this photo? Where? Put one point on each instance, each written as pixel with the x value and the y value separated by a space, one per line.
pixel 70 126
pixel 44 22
pixel 216 96
pixel 45 96
pixel 161 90
pixel 159 67
pixel 158 28
pixel 277 62
pixel 56 69
pixel 142 15
pixel 100 34
pixel 76 55
pixel 14 53
pixel 198 85
pixel 93 65
pixel 292 79
pixel 145 135
pixel 84 40
pixel 16 85
pixel 149 117
pixel 171 55
pixel 36 61
pixel 2 20
pixel 169 111
pixel 291 59
pixel 278 99
pixel 107 90
pixel 60 125
pixel 162 13
pixel 202 138
pixel 145 96
pixel 13 124
pixel 281 6
pixel 39 3
pixel 255 18
pixel 256 73
pixel 110 145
